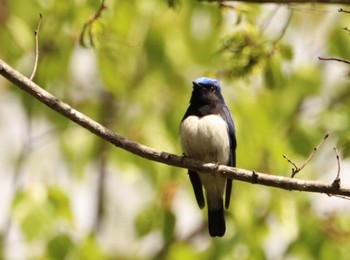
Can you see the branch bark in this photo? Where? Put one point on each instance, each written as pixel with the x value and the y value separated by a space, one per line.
pixel 149 153
pixel 344 2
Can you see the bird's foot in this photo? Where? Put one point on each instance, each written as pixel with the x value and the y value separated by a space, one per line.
pixel 183 156
pixel 216 167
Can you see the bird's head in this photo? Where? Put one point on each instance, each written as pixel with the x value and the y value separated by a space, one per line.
pixel 206 90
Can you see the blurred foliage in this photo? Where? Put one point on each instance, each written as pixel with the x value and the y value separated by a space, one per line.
pixel 137 81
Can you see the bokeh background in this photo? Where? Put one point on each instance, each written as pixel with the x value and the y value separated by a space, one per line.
pixel 66 194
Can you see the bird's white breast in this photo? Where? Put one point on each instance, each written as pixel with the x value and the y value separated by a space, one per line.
pixel 205 138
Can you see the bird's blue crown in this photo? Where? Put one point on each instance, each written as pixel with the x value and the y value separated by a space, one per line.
pixel 204 81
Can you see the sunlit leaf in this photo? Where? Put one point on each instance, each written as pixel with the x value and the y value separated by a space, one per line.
pixel 59 246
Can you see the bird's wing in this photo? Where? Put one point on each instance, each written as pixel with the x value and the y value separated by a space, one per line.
pixel 197 187
pixel 226 115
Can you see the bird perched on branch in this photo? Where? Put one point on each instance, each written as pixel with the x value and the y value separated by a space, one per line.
pixel 207 133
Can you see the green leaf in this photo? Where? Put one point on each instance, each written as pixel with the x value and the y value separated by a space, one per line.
pixel 60 203
pixel 38 208
pixel 286 51
pixel 148 220
pixel 339 45
pixel 59 247
pixel 273 74
pixel 184 251
pixel 169 226
pixel 88 249
pixel 344 144
pixel 37 222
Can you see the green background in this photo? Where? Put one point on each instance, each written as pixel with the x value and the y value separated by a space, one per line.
pixel 65 194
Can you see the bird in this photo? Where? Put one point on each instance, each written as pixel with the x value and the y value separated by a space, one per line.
pixel 208 133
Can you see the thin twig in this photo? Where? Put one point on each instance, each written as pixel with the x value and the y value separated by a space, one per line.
pixel 232 7
pixel 345 2
pixel 88 25
pixel 335 59
pixel 36 34
pixel 336 181
pixel 339 196
pixel 163 157
pixel 341 10
pixel 266 22
pixel 314 151
pixel 285 27
pixel 297 169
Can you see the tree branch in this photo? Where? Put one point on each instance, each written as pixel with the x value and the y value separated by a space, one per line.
pixel 163 157
pixel 344 2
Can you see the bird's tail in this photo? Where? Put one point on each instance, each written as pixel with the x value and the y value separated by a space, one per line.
pixel 216 221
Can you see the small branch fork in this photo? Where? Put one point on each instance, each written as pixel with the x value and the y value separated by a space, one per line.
pixel 152 154
pixel 88 25
pixel 297 169
pixel 36 34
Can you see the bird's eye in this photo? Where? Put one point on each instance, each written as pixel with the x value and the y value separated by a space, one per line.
pixel 212 88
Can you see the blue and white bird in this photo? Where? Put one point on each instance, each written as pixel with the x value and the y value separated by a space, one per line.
pixel 207 133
